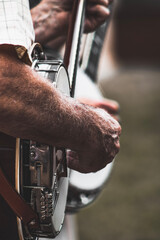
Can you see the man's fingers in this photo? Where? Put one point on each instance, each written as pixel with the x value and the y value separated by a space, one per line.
pixel 98 2
pixel 74 162
pixel 96 15
pixel 108 105
pixel 97 11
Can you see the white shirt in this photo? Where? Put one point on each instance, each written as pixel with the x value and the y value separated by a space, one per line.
pixel 16 25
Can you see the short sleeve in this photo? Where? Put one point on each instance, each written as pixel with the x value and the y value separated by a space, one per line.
pixel 16 25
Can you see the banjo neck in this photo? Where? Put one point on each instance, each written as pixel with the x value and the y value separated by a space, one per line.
pixel 71 56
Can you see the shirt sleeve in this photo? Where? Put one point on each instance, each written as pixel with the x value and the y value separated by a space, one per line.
pixel 16 27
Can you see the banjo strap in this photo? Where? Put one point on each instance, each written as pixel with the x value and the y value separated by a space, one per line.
pixel 17 203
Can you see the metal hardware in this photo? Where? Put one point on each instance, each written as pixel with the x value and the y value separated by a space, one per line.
pixel 44 173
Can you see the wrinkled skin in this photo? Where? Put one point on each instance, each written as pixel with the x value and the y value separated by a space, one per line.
pixel 104 143
pixel 51 18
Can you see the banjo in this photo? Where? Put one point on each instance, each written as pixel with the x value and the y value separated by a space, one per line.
pixel 34 177
pixel 39 172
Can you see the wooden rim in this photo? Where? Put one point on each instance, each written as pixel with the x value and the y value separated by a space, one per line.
pixel 17 183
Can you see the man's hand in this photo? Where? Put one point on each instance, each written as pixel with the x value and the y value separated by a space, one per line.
pixel 51 19
pixel 96 13
pixel 100 143
pixel 104 157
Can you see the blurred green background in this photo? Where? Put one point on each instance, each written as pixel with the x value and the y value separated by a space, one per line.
pixel 129 206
